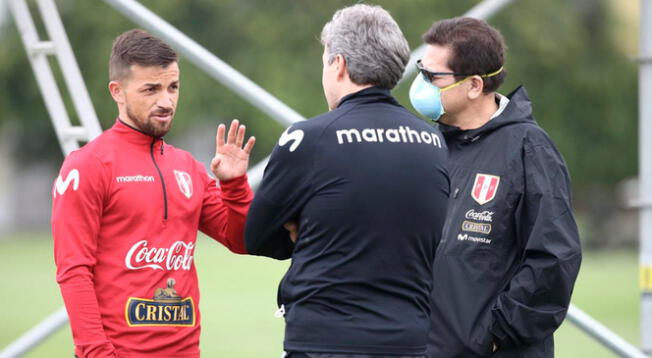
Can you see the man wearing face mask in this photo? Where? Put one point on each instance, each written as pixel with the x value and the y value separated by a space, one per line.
pixel 369 212
pixel 510 251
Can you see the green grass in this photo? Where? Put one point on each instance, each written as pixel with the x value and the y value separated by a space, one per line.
pixel 239 300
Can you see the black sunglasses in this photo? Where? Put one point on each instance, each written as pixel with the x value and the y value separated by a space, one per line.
pixel 431 75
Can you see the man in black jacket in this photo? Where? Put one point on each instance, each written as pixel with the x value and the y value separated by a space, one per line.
pixel 367 185
pixel 510 251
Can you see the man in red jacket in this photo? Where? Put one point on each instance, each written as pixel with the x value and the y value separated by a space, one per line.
pixel 126 211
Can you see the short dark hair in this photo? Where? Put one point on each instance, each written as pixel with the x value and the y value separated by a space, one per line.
pixel 141 48
pixel 476 48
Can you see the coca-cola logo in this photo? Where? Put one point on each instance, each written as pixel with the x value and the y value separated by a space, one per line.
pixel 176 257
pixel 486 216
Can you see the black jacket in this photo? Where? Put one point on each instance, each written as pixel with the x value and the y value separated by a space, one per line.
pixel 510 251
pixel 368 185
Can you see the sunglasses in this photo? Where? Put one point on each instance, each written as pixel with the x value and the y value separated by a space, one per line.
pixel 431 75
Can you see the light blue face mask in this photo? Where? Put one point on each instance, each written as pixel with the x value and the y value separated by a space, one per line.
pixel 426 98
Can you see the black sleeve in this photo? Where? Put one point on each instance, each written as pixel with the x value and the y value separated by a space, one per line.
pixel 284 190
pixel 538 295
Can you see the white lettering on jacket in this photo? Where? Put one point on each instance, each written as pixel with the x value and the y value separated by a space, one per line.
pixel 486 216
pixel 178 256
pixel 393 135
pixel 135 178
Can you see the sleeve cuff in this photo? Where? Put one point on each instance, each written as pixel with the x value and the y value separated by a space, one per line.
pixel 236 188
pixel 501 338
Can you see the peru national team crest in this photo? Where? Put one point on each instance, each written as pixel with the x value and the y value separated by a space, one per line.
pixel 485 188
pixel 185 183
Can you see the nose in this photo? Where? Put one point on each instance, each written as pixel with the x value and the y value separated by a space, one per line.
pixel 165 101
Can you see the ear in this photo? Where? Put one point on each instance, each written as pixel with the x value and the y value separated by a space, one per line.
pixel 340 67
pixel 476 87
pixel 117 92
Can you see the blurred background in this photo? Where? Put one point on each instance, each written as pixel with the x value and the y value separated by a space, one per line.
pixel 577 59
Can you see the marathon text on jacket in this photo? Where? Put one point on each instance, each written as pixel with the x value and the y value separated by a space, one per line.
pixel 392 135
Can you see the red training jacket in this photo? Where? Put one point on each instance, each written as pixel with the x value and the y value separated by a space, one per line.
pixel 125 216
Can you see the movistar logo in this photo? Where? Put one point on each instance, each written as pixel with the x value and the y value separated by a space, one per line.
pixel 61 185
pixel 295 136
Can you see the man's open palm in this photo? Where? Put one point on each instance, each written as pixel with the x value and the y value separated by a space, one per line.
pixel 231 159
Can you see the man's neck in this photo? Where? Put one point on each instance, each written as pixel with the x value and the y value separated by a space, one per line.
pixel 122 114
pixel 351 88
pixel 475 115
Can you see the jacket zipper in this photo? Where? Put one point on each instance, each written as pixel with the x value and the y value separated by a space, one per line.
pixel 165 196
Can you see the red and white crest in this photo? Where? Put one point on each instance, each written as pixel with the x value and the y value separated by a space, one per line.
pixel 485 188
pixel 185 183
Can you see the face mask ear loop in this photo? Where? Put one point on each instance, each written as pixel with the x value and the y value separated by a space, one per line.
pixel 454 84
pixel 469 77
pixel 493 73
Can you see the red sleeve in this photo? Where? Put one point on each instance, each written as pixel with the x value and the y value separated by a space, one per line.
pixel 78 196
pixel 225 210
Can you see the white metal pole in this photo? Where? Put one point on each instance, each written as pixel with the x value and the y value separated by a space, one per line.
pixel 68 64
pixel 206 61
pixel 602 334
pixel 36 335
pixel 36 53
pixel 645 173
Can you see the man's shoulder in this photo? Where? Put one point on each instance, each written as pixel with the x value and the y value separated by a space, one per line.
pixel 530 134
pixel 306 134
pixel 321 121
pixel 94 153
pixel 522 133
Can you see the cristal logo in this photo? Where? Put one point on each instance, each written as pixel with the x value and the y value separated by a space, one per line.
pixel 61 185
pixel 178 256
pixel 486 216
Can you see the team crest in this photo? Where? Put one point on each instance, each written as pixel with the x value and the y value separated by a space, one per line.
pixel 485 188
pixel 185 183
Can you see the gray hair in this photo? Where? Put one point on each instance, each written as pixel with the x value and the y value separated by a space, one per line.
pixel 370 41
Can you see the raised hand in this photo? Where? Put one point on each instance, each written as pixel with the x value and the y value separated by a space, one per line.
pixel 231 159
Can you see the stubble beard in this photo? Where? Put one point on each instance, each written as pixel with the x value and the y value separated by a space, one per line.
pixel 149 125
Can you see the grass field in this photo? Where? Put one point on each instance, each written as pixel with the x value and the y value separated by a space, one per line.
pixel 239 300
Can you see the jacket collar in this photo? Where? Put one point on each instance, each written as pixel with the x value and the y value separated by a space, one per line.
pixel 518 110
pixel 131 134
pixel 367 95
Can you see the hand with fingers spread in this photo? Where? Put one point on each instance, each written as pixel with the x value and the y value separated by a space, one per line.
pixel 231 159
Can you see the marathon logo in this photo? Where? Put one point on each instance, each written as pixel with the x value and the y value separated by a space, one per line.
pixel 135 178
pixel 391 135
pixel 166 309
pixel 476 227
